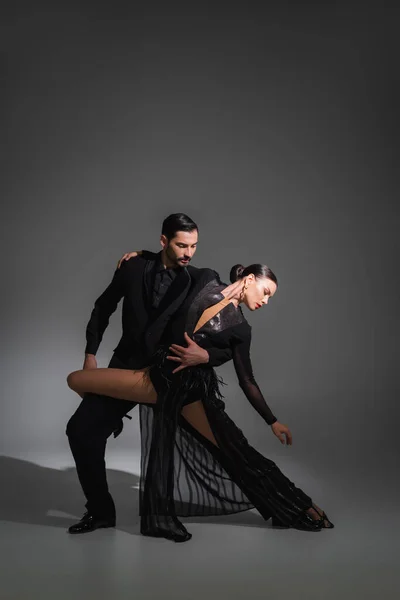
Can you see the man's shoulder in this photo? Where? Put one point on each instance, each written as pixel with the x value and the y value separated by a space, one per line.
pixel 148 255
pixel 136 262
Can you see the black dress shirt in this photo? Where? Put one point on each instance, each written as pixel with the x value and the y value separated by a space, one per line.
pixel 163 279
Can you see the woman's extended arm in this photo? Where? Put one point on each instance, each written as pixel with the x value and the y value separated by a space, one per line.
pixel 244 371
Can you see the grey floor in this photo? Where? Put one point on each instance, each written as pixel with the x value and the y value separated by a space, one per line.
pixel 235 557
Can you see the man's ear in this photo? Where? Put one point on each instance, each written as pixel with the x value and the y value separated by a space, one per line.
pixel 163 241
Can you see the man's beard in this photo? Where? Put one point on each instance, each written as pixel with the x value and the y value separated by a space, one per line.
pixel 173 259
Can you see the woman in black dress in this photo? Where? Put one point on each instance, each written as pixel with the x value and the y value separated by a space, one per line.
pixel 195 460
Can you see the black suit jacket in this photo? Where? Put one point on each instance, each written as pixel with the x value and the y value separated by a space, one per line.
pixel 142 326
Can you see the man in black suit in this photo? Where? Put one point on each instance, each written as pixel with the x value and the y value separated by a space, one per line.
pixel 154 287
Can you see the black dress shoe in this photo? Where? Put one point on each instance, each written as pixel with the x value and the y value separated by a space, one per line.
pixel 89 523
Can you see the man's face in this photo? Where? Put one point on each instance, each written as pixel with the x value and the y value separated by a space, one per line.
pixel 180 249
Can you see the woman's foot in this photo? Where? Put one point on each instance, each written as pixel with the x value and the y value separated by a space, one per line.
pixel 167 527
pixel 168 534
pixel 303 522
pixel 312 519
pixel 318 514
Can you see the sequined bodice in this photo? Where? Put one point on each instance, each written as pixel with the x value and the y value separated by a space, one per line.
pixel 227 317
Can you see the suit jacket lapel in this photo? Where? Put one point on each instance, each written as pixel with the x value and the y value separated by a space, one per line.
pixel 169 304
pixel 148 281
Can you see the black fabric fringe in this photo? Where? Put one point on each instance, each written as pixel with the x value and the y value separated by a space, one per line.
pixel 184 474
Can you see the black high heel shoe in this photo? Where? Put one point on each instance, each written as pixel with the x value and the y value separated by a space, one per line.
pixel 303 524
pixel 324 517
pixel 176 532
pixel 168 535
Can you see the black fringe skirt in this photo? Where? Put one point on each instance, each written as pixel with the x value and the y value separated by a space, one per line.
pixel 185 474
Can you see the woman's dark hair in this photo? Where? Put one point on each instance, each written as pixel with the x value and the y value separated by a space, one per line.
pixel 239 271
pixel 177 222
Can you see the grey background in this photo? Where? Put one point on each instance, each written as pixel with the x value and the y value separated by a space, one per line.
pixel 273 128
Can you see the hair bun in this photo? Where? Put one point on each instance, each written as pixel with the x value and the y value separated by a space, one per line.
pixel 236 273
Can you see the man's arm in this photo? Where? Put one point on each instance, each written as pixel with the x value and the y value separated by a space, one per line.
pixel 104 307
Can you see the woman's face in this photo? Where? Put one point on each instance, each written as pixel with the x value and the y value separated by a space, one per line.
pixel 258 291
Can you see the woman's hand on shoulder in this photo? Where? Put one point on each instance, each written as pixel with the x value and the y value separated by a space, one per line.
pixel 282 432
pixel 127 256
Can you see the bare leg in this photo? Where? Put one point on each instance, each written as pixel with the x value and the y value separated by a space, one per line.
pixel 125 384
pixel 196 415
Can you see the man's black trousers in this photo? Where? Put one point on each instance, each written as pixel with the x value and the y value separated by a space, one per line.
pixel 96 418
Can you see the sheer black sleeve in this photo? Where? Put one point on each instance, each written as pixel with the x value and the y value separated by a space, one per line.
pixel 244 371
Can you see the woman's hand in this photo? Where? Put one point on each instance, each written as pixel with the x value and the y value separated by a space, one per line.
pixel 128 256
pixel 281 431
pixel 190 356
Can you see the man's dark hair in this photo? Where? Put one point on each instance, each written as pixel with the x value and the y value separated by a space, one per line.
pixel 177 222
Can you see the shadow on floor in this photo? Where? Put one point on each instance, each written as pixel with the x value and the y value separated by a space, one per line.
pixel 29 492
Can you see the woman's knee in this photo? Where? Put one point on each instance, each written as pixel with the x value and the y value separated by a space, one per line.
pixel 72 380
